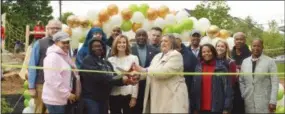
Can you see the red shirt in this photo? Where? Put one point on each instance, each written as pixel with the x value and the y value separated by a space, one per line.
pixel 39 28
pixel 206 98
pixel 2 32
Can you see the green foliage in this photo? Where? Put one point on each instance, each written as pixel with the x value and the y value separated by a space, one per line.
pixel 5 107
pixel 21 13
pixel 64 17
pixel 216 11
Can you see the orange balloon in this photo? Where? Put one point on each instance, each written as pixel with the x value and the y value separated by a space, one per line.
pixel 97 23
pixel 136 26
pixel 103 15
pixel 112 9
pixel 68 30
pixel 151 14
pixel 76 22
pixel 163 11
pixel 84 22
pixel 126 14
pixel 224 34
pixel 71 20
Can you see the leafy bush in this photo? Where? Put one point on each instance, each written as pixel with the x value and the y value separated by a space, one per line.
pixel 5 107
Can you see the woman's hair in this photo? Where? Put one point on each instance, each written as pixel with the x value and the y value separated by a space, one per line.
pixel 114 50
pixel 228 52
pixel 171 37
pixel 212 49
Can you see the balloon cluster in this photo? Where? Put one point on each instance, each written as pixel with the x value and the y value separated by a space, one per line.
pixel 28 102
pixel 134 17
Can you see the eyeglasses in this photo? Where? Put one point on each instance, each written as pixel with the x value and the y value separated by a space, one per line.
pixel 55 28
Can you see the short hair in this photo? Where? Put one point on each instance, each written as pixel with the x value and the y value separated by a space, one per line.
pixel 239 33
pixel 172 38
pixel 114 50
pixel 157 29
pixel 54 21
pixel 258 39
pixel 212 49
pixel 228 52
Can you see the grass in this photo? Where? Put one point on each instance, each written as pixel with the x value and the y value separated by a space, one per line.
pixel 281 68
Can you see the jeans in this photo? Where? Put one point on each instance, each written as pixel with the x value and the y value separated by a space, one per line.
pixel 96 107
pixel 55 109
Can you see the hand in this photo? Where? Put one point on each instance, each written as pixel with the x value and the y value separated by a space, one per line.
pixel 225 112
pixel 33 92
pixel 272 108
pixel 136 67
pixel 72 98
pixel 133 102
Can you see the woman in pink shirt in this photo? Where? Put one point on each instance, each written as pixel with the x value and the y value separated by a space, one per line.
pixel 57 86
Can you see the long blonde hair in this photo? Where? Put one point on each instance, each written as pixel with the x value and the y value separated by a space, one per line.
pixel 114 50
pixel 228 52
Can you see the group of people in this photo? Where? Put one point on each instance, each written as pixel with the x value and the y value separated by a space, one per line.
pixel 155 83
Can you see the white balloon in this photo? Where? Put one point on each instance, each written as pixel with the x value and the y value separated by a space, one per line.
pixel 92 15
pixel 28 110
pixel 203 24
pixel 181 15
pixel 130 34
pixel 170 19
pixel 116 20
pixel 159 22
pixel 107 28
pixel 77 33
pixel 138 17
pixel 147 25
pixel 32 103
pixel 64 26
pixel 195 21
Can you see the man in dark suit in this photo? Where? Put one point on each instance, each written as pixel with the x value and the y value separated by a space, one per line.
pixel 195 38
pixel 145 53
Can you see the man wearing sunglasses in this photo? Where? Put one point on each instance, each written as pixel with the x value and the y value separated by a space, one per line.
pixel 36 76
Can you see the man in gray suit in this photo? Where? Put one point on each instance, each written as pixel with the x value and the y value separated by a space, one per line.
pixel 259 91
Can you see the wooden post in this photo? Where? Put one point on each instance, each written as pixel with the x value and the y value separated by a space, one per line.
pixel 27 37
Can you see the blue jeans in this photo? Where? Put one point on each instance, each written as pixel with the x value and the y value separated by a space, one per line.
pixel 96 107
pixel 55 109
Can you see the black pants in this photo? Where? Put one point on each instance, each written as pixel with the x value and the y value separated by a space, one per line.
pixel 209 112
pixel 119 104
pixel 238 102
pixel 138 109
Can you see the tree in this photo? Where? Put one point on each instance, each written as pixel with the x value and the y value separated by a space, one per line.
pixel 64 17
pixel 216 11
pixel 21 13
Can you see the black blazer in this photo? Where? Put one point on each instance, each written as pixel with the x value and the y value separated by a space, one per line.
pixel 151 52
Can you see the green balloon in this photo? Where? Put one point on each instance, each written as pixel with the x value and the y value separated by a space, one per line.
pixel 280 92
pixel 188 24
pixel 126 25
pixel 143 9
pixel 134 7
pixel 168 29
pixel 280 110
pixel 26 85
pixel 26 102
pixel 27 94
pixel 178 28
pixel 82 39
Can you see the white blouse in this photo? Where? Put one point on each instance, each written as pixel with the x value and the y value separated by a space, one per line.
pixel 124 63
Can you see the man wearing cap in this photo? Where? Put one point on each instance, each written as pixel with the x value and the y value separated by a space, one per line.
pixel 36 76
pixel 189 62
pixel 57 88
pixel 195 37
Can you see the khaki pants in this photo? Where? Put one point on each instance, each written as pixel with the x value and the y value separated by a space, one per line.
pixel 39 105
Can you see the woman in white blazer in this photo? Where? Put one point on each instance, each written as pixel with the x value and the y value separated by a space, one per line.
pixel 165 93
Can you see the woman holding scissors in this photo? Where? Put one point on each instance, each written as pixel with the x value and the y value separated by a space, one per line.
pixel 123 97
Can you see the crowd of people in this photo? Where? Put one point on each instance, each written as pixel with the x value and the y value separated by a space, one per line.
pixel 143 90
